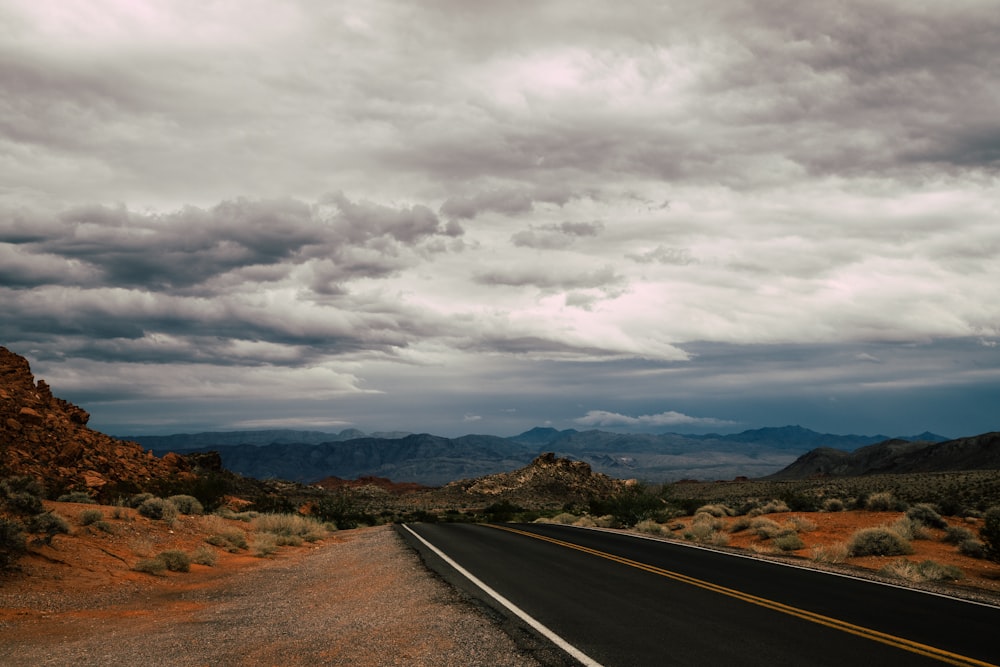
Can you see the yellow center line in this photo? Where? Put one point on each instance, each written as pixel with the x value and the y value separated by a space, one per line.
pixel 868 633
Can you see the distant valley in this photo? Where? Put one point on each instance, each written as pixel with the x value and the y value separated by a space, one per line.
pixel 307 456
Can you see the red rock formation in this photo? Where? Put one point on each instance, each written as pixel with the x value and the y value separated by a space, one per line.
pixel 47 438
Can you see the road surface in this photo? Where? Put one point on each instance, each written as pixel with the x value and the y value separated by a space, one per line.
pixel 617 599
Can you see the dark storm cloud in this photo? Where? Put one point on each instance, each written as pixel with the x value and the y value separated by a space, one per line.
pixel 555 237
pixel 550 278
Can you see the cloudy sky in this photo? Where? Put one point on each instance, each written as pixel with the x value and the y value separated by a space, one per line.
pixel 459 217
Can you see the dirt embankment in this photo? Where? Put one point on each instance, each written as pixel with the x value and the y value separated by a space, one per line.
pixel 357 597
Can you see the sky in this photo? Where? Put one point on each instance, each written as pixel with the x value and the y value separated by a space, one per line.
pixel 457 217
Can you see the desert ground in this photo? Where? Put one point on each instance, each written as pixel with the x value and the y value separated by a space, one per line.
pixel 356 597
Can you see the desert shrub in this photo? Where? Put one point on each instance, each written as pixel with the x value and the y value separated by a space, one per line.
pixel 716 510
pixel 76 497
pixel 883 501
pixel 564 518
pixel 12 542
pixel 264 544
pixel 49 524
pixel 630 506
pixel 927 570
pixel 158 508
pixel 765 528
pixel 585 522
pixel 909 529
pixel 139 498
pixel 187 504
pixel 604 521
pixel 713 522
pixel 989 533
pixel 291 527
pixel 833 553
pixel 799 501
pixel 957 535
pixel 926 514
pixel 24 503
pixel 650 527
pixel 203 556
pixel 774 507
pixel 788 542
pixel 232 540
pixel 104 526
pixel 175 560
pixel 150 566
pixel 801 524
pixel 833 505
pixel 88 517
pixel 741 524
pixel 880 541
pixel 972 548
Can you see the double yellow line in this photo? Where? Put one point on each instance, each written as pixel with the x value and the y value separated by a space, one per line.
pixel 891 640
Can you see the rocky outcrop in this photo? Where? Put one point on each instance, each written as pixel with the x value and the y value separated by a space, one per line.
pixel 547 479
pixel 48 438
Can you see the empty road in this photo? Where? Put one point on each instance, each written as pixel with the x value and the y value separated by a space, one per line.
pixel 617 599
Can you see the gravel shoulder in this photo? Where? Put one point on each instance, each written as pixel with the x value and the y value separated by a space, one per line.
pixel 362 597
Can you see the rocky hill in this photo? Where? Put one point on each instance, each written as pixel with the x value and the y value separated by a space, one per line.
pixel 547 480
pixel 48 438
pixel 981 452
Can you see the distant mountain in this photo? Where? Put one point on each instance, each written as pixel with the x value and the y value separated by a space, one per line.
pixel 307 456
pixel 981 452
pixel 179 442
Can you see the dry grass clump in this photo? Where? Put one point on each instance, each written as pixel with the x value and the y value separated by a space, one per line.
pixel 585 521
pixel 832 553
pixel 651 527
pixel 706 529
pixel 187 504
pixel 909 529
pixel 174 560
pixel 765 528
pixel 88 517
pixel 564 518
pixel 290 529
pixel 230 539
pixel 716 510
pixel 264 544
pixel 927 570
pixel 801 524
pixel 158 509
pixel 203 556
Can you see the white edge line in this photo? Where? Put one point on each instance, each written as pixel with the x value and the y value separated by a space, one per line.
pixel 784 564
pixel 517 611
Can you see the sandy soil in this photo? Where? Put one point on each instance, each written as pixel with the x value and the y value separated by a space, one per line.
pixel 981 577
pixel 357 597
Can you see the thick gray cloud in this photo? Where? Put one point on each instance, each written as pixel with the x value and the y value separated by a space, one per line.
pixel 375 198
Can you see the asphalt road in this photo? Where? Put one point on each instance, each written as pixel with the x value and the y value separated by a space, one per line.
pixel 624 600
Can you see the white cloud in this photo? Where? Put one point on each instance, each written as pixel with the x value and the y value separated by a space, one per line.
pixel 669 418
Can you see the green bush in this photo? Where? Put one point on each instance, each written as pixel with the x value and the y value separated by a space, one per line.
pixel 883 501
pixel 76 497
pixel 880 541
pixel 175 560
pixel 957 535
pixel 50 524
pixel 926 514
pixel 833 505
pixel 88 517
pixel 972 548
pixel 158 508
pixel 989 533
pixel 150 566
pixel 139 498
pixel 788 542
pixel 187 504
pixel 12 542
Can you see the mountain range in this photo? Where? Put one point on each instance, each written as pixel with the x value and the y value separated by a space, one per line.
pixel 307 456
